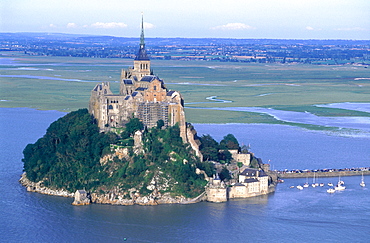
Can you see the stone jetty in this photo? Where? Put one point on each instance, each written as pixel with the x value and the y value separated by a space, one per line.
pixel 323 173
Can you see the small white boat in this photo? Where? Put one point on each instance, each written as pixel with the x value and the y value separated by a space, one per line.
pixel 330 184
pixel 291 186
pixel 362 181
pixel 314 182
pixel 300 187
pixel 339 187
pixel 330 190
pixel 305 185
pixel 321 184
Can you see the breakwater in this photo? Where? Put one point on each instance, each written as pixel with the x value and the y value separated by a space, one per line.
pixel 323 173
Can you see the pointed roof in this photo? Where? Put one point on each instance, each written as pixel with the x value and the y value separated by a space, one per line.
pixel 142 55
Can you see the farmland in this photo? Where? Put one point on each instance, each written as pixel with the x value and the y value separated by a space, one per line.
pixel 64 83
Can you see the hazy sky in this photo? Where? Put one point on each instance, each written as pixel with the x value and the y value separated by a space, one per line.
pixel 291 19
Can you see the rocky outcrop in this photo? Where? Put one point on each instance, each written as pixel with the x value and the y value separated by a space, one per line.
pixel 113 197
pixel 40 188
pixel 137 199
pixel 116 152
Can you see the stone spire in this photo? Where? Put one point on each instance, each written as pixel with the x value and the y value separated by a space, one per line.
pixel 142 40
pixel 142 55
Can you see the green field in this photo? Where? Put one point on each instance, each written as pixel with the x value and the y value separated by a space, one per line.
pixel 294 87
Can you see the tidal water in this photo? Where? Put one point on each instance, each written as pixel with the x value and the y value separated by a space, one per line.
pixel 288 215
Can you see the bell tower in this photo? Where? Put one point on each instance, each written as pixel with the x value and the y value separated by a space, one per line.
pixel 141 62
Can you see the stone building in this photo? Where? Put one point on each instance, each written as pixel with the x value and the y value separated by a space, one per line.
pixel 240 157
pixel 142 95
pixel 216 190
pixel 251 183
pixel 81 198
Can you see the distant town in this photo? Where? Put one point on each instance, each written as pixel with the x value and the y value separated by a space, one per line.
pixel 320 52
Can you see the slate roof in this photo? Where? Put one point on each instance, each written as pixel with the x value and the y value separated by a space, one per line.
pixel 141 89
pixel 249 172
pixel 148 78
pixel 98 87
pixel 127 81
pixel 142 55
pixel 251 180
pixel 262 173
pixel 169 93
pixel 238 184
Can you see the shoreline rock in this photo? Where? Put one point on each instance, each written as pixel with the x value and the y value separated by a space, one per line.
pixel 108 198
pixel 114 198
pixel 39 188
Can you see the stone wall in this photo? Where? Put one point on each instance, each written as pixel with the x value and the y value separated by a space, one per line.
pixel 191 135
pixel 216 194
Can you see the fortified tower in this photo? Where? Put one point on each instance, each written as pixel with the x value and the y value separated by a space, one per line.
pixel 142 95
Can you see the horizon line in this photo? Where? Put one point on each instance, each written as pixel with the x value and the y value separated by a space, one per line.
pixel 237 38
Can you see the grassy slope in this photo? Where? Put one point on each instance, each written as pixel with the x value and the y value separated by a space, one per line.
pixel 288 87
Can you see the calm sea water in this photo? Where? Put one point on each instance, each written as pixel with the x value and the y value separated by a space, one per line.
pixel 288 215
pixel 287 147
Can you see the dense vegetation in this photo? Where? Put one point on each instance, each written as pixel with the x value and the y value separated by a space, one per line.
pixel 219 152
pixel 68 157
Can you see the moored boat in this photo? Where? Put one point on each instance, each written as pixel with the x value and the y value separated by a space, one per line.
pixel 330 190
pixel 362 181
pixel 339 187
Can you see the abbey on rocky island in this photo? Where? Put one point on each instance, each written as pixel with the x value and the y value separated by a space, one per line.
pixel 142 95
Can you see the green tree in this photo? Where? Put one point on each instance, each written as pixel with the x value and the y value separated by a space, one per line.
pixel 225 156
pixel 134 125
pixel 229 142
pixel 209 148
pixel 160 124
pixel 210 153
pixel 207 141
pixel 224 174
pixel 68 154
pixel 254 163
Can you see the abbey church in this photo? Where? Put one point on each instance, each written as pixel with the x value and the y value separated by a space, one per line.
pixel 142 95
